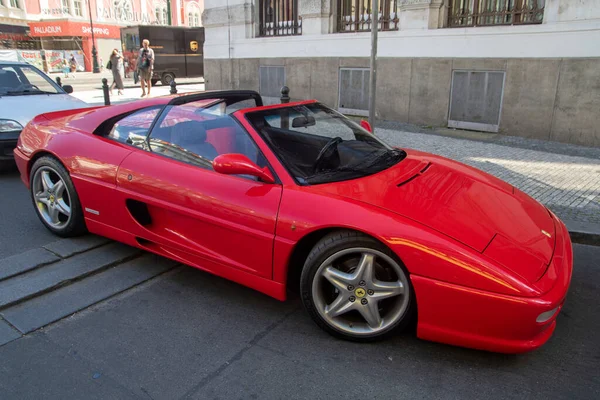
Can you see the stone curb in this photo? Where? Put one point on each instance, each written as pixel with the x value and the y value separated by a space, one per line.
pixel 583 232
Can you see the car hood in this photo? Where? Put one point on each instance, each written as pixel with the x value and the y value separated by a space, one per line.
pixel 24 108
pixel 466 204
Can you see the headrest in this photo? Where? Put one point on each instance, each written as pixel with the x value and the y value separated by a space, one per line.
pixel 188 131
pixel 9 79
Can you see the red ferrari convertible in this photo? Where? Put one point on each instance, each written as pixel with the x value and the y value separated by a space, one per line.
pixel 296 195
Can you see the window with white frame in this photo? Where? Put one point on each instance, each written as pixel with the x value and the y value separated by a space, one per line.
pixel 14 3
pixel 193 14
pixel 78 11
pixel 65 7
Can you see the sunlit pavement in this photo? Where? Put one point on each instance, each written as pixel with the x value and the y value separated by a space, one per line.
pixel 96 97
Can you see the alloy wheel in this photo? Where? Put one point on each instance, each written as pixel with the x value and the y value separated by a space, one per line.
pixel 51 197
pixel 361 291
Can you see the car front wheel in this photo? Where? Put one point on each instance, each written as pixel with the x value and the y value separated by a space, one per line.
pixel 355 288
pixel 55 199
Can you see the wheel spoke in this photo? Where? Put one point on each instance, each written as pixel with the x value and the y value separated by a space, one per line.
pixel 46 181
pixel 340 306
pixel 59 188
pixel 337 278
pixel 62 207
pixel 384 290
pixel 364 271
pixel 370 312
pixel 42 197
pixel 53 214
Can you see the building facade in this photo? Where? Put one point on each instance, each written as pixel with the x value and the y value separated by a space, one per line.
pixel 527 68
pixel 44 31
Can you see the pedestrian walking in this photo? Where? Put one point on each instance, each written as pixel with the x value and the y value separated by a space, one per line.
pixel 115 64
pixel 65 67
pixel 73 65
pixel 126 65
pixel 145 63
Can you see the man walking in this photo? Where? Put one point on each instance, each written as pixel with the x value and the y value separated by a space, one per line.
pixel 145 63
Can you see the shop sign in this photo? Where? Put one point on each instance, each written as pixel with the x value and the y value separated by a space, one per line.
pixel 47 29
pixel 70 28
pixel 122 12
pixel 97 31
pixel 32 57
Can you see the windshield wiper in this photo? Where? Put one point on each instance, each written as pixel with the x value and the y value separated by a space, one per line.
pixel 25 92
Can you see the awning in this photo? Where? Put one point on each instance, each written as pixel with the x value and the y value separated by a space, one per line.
pixel 14 32
pixel 67 28
pixel 18 29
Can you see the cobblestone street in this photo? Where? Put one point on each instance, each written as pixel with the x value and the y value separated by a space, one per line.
pixel 568 184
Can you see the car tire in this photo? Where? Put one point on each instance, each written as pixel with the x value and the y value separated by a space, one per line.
pixel 167 78
pixel 154 82
pixel 334 256
pixel 55 199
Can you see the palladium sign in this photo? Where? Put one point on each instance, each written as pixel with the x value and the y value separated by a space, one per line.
pixel 123 11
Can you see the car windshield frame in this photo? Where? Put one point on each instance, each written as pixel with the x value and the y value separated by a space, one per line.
pixel 381 157
pixel 18 70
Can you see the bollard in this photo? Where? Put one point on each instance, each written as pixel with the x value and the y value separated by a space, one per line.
pixel 105 90
pixel 285 116
pixel 58 81
pixel 285 94
pixel 173 87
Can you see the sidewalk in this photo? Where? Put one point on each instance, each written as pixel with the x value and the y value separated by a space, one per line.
pixel 89 78
pixel 96 97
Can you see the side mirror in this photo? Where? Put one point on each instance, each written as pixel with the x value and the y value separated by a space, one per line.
pixel 239 164
pixel 68 88
pixel 366 125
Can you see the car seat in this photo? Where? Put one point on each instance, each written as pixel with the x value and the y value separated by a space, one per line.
pixel 191 136
pixel 223 139
pixel 9 79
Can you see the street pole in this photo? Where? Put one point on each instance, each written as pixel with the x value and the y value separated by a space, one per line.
pixel 373 69
pixel 169 13
pixel 96 67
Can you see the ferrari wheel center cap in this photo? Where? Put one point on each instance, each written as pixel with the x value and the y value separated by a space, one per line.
pixel 360 292
pixel 52 198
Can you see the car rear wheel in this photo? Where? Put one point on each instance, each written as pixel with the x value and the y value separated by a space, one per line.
pixel 355 288
pixel 55 199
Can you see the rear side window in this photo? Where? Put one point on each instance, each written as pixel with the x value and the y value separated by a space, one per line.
pixel 133 129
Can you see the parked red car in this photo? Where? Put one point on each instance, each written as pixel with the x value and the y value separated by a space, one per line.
pixel 297 195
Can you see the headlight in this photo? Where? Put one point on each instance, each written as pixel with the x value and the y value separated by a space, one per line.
pixel 545 316
pixel 8 125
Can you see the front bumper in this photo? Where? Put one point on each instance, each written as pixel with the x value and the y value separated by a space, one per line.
pixel 473 318
pixel 8 142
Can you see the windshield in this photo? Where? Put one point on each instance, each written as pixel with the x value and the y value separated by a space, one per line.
pixel 21 80
pixel 319 145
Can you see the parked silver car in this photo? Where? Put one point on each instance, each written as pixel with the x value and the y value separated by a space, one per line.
pixel 26 92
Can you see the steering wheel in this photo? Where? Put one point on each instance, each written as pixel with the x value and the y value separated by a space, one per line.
pixel 327 151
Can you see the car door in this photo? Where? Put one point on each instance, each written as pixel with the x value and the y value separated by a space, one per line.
pixel 178 205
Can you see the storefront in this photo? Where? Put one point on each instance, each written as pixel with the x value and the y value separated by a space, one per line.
pixel 61 38
pixel 17 37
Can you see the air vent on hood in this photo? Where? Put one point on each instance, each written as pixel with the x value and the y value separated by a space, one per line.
pixel 410 175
